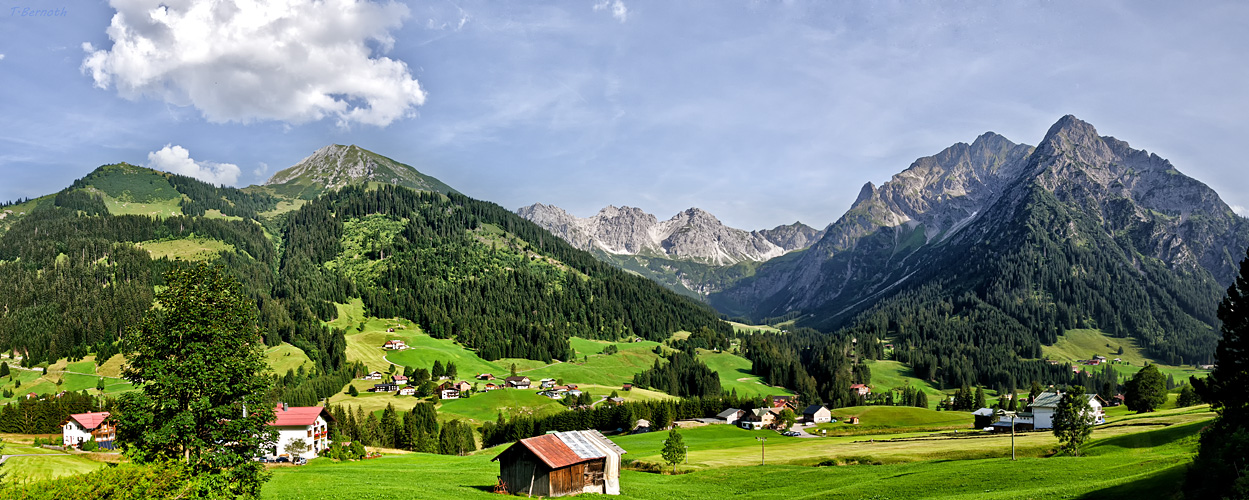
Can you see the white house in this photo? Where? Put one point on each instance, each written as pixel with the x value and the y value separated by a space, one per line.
pixel 394 345
pixel 81 427
pixel 817 414
pixel 730 416
pixel 307 423
pixel 1040 414
pixel 448 391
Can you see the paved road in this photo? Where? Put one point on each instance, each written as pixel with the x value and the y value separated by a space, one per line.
pixel 5 458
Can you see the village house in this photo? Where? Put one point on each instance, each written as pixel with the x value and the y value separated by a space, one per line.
pixel 546 383
pixel 560 464
pixel 1040 413
pixel 790 402
pixel 730 416
pixel 394 345
pixel 309 424
pixel 463 386
pixel 401 380
pixel 490 387
pixel 861 389
pixel 448 391
pixel 758 418
pixel 407 390
pixel 485 376
pixel 616 401
pixel 376 375
pixel 82 427
pixel 817 414
pixel 385 387
pixel 520 382
pixel 627 387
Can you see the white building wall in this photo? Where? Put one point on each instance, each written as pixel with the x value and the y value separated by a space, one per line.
pixel 315 444
pixel 73 434
pixel 1042 418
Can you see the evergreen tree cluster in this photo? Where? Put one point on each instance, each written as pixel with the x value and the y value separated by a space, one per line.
pixel 44 415
pixel 683 375
pixel 818 367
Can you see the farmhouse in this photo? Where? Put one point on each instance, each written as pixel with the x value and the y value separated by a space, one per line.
pixel 490 387
pixel 521 382
pixel 448 391
pixel 82 427
pixel 386 387
pixel 758 418
pixel 627 387
pixel 376 375
pixel 730 416
pixel 783 401
pixel 1040 414
pixel 407 390
pixel 817 414
pixel 401 380
pixel 860 389
pixel 560 464
pixel 394 345
pixel 463 386
pixel 485 376
pixel 309 424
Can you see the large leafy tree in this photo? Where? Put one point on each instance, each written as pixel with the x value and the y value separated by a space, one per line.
pixel 1220 469
pixel 1146 391
pixel 198 360
pixel 1073 420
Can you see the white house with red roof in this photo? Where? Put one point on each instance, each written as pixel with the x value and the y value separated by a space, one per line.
pixel 307 423
pixel 860 389
pixel 82 427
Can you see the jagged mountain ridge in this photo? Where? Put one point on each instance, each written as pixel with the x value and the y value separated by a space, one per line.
pixel 973 226
pixel 692 235
pixel 335 166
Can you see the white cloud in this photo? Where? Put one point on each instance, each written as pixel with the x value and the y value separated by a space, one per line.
pixel 239 60
pixel 1240 210
pixel 618 9
pixel 1 57
pixel 262 168
pixel 176 159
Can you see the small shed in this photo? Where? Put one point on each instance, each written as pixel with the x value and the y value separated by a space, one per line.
pixel 560 464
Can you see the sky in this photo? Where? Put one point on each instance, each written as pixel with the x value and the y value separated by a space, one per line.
pixel 760 112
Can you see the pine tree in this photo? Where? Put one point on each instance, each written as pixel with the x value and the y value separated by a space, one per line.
pixel 921 399
pixel 1188 397
pixel 437 372
pixel 674 449
pixel 1220 469
pixel 980 399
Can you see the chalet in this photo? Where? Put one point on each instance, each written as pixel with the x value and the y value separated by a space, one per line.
pixel 783 402
pixel 730 416
pixel 309 424
pixel 546 383
pixel 401 380
pixel 861 389
pixel 642 425
pixel 521 382
pixel 485 376
pixel 852 420
pixel 490 387
pixel 758 418
pixel 394 345
pixel 1117 400
pixel 407 390
pixel 463 386
pixel 627 387
pixel 82 427
pixel 385 387
pixel 448 391
pixel 817 414
pixel 1040 414
pixel 561 464
pixel 372 376
pixel 616 401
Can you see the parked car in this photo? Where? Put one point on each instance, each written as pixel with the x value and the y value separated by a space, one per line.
pixel 300 461
pixel 791 433
pixel 282 460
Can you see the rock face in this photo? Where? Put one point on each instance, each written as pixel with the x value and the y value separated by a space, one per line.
pixel 692 235
pixel 990 215
pixel 335 166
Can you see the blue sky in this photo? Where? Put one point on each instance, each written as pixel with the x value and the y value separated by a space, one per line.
pixel 762 113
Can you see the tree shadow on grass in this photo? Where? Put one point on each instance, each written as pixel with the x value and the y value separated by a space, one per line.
pixel 1164 485
pixel 1149 439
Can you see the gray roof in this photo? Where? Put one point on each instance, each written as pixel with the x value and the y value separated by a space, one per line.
pixel 601 439
pixel 727 413
pixel 812 409
pixel 1051 399
pixel 580 444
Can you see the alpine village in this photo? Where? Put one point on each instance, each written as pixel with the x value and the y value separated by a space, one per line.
pixel 1065 318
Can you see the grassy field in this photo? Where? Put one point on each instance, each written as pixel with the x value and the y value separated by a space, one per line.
pixel 735 375
pixel 1144 460
pixel 1076 345
pixel 50 466
pixel 286 357
pixel 876 419
pixel 192 249
pixel 887 375
pixel 742 327
pixel 486 406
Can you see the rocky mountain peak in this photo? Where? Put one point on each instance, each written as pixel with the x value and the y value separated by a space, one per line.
pixel 336 165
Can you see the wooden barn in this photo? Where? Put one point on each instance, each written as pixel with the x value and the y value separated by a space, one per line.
pixel 561 463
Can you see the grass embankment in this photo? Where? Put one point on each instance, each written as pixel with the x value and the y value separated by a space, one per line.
pixel 191 249
pixel 1077 345
pixel 1141 460
pixel 735 374
pixel 285 357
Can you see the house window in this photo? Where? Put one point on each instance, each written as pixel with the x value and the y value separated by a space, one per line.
pixel 309 432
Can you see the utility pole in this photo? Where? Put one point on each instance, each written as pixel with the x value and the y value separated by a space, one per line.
pixel 762 449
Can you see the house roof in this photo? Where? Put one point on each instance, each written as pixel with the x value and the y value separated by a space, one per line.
pixel 90 420
pixel 1051 399
pixel 727 413
pixel 812 409
pixel 517 379
pixel 299 415
pixel 553 451
pixel 858 386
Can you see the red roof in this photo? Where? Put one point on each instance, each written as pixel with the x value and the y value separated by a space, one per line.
pixel 298 415
pixel 553 452
pixel 90 420
pixel 858 386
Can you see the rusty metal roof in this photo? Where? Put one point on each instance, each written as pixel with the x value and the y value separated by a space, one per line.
pixel 552 451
